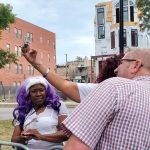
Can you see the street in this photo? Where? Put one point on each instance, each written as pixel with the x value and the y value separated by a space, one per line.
pixel 6 113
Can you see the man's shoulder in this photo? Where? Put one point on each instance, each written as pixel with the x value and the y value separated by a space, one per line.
pixel 118 84
pixel 117 80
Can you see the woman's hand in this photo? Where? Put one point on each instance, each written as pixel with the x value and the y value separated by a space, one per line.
pixel 26 136
pixel 30 55
pixel 35 134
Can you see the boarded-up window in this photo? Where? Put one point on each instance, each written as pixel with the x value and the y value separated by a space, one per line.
pixel 131 13
pixel 134 37
pixel 112 39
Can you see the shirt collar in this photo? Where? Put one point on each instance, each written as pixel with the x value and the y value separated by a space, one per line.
pixel 145 77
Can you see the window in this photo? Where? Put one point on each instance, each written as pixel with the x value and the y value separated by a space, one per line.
pixel 100 16
pixel 48 42
pixel 134 37
pixel 7 29
pixel 29 69
pixel 29 36
pixel 19 83
pixel 128 11
pixel 131 13
pixel 19 51
pixel 21 69
pixel 8 47
pixel 41 39
pixel 112 39
pixel 32 70
pixel 18 33
pixel 124 37
pixel 14 84
pixel 125 2
pixel 48 57
pixel 101 32
pixel 16 50
pixel 7 66
pixel 117 15
pixel 15 32
pixel 101 23
pixel 125 14
pixel 16 68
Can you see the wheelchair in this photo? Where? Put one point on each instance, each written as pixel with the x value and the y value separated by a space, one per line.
pixel 15 146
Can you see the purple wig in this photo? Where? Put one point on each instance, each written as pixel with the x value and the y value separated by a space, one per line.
pixel 24 102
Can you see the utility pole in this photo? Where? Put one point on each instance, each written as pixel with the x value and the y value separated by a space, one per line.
pixel 66 66
pixel 121 23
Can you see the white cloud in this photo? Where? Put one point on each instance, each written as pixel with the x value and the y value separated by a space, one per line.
pixel 84 40
pixel 71 20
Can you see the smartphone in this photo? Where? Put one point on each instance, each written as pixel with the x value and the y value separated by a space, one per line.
pixel 26 42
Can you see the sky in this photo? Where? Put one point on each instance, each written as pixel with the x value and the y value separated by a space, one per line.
pixel 71 20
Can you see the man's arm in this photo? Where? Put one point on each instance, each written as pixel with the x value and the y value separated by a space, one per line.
pixel 75 143
pixel 69 88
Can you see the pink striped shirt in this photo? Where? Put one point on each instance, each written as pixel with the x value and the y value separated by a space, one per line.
pixel 115 116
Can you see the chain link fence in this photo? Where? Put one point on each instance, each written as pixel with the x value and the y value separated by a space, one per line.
pixel 7 94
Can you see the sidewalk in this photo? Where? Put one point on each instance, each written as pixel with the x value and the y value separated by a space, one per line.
pixel 6 109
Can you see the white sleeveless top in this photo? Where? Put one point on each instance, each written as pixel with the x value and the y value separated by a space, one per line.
pixel 46 123
pixel 85 89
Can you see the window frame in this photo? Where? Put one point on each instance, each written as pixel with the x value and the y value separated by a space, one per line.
pixel 134 42
pixel 130 14
pixel 112 39
pixel 101 25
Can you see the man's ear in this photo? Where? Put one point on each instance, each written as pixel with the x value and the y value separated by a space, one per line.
pixel 136 66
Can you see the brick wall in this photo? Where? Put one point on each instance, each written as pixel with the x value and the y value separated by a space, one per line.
pixel 40 43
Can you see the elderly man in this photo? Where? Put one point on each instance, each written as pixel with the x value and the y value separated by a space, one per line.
pixel 116 115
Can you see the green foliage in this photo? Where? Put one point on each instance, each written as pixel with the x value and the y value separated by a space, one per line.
pixel 79 58
pixel 144 7
pixel 7 58
pixel 6 16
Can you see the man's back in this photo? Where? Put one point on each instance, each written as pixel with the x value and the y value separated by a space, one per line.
pixel 115 115
pixel 130 126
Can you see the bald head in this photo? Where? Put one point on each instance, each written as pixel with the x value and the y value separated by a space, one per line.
pixel 140 53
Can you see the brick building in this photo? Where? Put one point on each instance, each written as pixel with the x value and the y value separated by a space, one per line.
pixel 78 71
pixel 107 28
pixel 41 39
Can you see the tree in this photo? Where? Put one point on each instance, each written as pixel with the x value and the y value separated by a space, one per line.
pixel 79 58
pixel 6 58
pixel 144 16
pixel 6 18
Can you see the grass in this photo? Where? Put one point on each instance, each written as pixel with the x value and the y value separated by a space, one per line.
pixel 6 129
